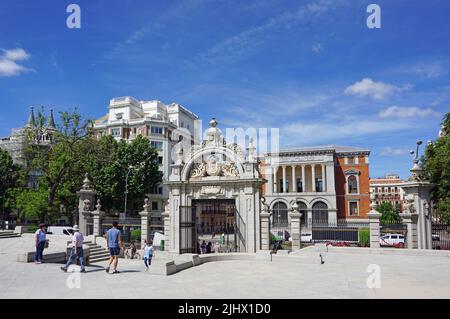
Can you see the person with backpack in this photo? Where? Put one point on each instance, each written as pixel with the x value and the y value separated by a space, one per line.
pixel 40 240
pixel 76 251
pixel 148 254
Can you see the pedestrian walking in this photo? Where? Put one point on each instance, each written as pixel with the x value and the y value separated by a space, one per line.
pixel 40 239
pixel 115 244
pixel 208 248
pixel 203 247
pixel 77 250
pixel 148 254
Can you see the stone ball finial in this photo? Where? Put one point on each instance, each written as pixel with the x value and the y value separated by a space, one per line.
pixel 86 182
pixel 213 122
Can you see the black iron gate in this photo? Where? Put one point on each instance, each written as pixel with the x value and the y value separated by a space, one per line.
pixel 188 232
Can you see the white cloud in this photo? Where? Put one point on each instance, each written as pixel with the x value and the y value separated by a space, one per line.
pixel 376 90
pixel 430 70
pixel 15 54
pixel 389 151
pixel 317 47
pixel 8 64
pixel 407 112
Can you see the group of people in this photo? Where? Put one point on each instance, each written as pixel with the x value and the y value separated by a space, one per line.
pixel 114 244
pixel 208 248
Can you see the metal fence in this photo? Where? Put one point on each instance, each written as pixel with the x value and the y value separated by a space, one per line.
pixel 440 235
pixel 393 235
pixel 339 233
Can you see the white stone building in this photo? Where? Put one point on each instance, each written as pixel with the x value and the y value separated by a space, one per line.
pixel 162 124
pixel 388 190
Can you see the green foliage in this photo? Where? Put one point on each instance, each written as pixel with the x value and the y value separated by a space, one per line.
pixel 364 237
pixel 9 176
pixel 436 165
pixel 389 214
pixel 136 235
pixel 273 238
pixel 32 203
pixel 31 229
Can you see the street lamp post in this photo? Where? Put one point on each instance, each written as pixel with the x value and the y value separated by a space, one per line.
pixel 130 167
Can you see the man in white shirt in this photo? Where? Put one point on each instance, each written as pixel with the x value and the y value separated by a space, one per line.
pixel 77 250
pixel 40 238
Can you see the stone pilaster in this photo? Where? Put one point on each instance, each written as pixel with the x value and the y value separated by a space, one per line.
pixel 411 222
pixel 167 226
pixel 265 225
pixel 145 218
pixel 374 224
pixel 295 217
pixel 98 215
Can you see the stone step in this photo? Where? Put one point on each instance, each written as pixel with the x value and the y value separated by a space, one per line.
pixel 9 235
pixel 97 259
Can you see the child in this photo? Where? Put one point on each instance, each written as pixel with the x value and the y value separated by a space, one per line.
pixel 148 254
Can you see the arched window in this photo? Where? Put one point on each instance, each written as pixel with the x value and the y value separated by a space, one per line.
pixel 320 212
pixel 280 215
pixel 302 208
pixel 352 182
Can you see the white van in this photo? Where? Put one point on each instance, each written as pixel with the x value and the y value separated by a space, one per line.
pixel 59 230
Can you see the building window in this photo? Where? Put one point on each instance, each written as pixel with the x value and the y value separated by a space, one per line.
pixel 350 160
pixel 115 132
pixel 281 186
pixel 352 182
pixel 157 145
pixel 299 185
pixel 134 130
pixel 320 212
pixel 280 215
pixel 353 209
pixel 160 159
pixel 319 185
pixel 154 205
pixel 182 124
pixel 157 130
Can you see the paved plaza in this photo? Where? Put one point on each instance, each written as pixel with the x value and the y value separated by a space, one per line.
pixel 343 275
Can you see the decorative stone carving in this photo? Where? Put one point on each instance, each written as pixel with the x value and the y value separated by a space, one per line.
pixel 213 167
pixel 236 150
pixel 229 169
pixel 198 170
pixel 211 190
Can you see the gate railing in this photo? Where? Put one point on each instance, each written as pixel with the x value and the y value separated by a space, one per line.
pixel 239 232
pixel 440 235
pixel 188 234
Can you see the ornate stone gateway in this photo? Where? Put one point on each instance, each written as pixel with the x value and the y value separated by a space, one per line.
pixel 215 175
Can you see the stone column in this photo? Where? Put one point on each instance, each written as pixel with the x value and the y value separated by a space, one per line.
pixel 265 225
pixel 275 182
pixel 374 222
pixel 85 200
pixel 98 215
pixel 324 181
pixel 145 218
pixel 313 177
pixel 410 219
pixel 294 181
pixel 295 216
pixel 284 179
pixel 303 179
pixel 330 178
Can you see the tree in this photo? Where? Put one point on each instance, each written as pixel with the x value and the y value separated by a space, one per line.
pixel 9 175
pixel 110 174
pixel 389 214
pixel 436 165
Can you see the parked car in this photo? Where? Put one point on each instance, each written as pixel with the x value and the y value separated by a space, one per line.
pixel 392 240
pixel 306 238
pixel 59 230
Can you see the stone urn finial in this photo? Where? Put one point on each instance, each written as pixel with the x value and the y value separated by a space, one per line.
pixel 86 182
pixel 373 205
pixel 98 206
pixel 146 205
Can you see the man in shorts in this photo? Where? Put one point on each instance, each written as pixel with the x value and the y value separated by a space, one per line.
pixel 115 244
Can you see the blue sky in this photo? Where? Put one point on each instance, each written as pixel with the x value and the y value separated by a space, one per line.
pixel 310 68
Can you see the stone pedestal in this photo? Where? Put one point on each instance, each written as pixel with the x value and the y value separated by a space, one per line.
pixel 295 216
pixel 411 222
pixel 97 216
pixel 265 230
pixel 85 202
pixel 374 222
pixel 417 194
pixel 145 218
